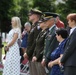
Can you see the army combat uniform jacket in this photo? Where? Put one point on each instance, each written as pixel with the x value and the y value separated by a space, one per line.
pixel 38 52
pixel 31 40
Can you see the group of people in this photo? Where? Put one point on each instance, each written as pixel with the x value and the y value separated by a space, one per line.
pixel 48 46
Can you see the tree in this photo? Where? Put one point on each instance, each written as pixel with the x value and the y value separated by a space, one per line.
pixel 4 20
pixel 24 11
pixel 4 11
pixel 44 5
pixel 65 8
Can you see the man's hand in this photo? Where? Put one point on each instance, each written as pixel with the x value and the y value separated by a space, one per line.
pixel 50 64
pixel 34 59
pixel 6 48
pixel 25 55
pixel 43 63
pixel 59 62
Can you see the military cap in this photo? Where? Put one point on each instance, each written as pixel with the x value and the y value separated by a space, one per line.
pixel 47 15
pixel 35 11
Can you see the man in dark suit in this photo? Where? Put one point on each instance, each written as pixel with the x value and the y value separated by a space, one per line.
pixel 50 40
pixel 69 56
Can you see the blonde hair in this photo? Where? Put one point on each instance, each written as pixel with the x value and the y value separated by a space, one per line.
pixel 17 21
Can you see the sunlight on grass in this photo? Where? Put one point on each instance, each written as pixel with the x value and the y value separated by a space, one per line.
pixel 4 43
pixel 0 73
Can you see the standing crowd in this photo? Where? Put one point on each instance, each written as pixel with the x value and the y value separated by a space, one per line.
pixel 49 47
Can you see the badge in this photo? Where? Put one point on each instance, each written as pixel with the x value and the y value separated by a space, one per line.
pixel 48 36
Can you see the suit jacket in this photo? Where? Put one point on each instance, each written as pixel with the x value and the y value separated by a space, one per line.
pixel 38 52
pixel 32 41
pixel 69 55
pixel 50 44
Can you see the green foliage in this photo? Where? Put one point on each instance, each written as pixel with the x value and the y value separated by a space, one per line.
pixel 4 8
pixel 23 11
pixel 0 73
pixel 14 10
pixel 4 11
pixel 65 8
pixel 11 8
pixel 20 8
pixel 44 5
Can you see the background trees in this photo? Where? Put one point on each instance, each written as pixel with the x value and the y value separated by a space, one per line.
pixel 4 13
pixel 20 8
pixel 11 8
pixel 45 5
pixel 69 6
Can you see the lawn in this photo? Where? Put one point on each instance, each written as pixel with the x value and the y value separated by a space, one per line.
pixel 3 53
pixel 0 73
pixel 4 43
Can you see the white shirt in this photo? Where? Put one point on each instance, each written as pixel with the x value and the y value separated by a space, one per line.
pixel 51 27
pixel 71 30
pixel 38 27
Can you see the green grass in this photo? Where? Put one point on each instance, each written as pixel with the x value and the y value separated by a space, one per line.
pixel 3 51
pixel 4 43
pixel 0 73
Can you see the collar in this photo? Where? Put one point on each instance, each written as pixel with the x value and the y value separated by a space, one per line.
pixel 38 27
pixel 63 41
pixel 35 24
pixel 71 30
pixel 51 27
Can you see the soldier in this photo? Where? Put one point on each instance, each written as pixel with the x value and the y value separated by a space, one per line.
pixel 34 16
pixel 58 23
pixel 50 40
pixel 38 52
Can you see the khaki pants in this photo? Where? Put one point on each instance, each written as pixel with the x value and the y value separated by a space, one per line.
pixel 36 68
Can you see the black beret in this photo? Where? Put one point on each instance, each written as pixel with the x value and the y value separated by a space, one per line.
pixel 35 11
